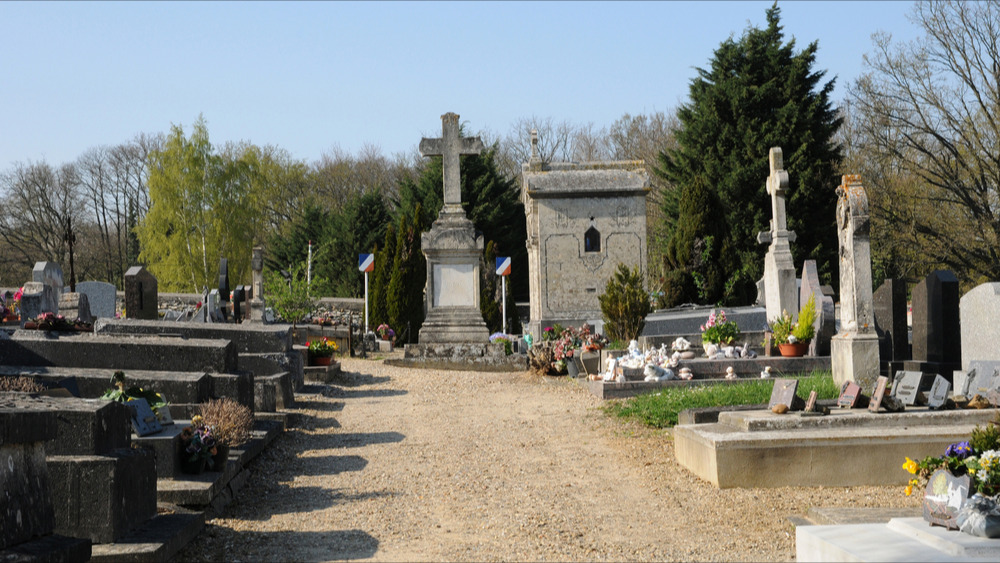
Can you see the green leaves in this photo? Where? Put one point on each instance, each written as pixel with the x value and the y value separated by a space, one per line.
pixel 624 304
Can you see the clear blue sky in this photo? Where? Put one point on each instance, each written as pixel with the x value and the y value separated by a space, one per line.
pixel 308 76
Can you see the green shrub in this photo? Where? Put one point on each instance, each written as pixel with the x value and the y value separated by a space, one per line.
pixel 624 304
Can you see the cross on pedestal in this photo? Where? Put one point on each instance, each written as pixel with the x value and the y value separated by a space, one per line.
pixel 777 184
pixel 449 146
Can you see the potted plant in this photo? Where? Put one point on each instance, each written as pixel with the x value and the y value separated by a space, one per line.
pixel 198 447
pixel 231 424
pixel 386 333
pixel 321 351
pixel 792 338
pixel 718 331
pixel 501 338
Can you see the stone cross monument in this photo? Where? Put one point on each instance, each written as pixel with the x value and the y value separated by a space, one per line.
pixel 452 249
pixel 854 350
pixel 256 313
pixel 780 291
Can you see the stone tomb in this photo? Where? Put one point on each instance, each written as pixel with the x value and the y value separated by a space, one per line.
pixel 101 296
pixel 140 294
pixel 27 518
pixel 937 345
pixel 583 219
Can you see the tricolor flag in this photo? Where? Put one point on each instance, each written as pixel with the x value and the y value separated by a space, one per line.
pixel 503 265
pixel 366 262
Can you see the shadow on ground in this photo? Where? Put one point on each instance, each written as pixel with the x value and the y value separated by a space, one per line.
pixel 295 500
pixel 290 545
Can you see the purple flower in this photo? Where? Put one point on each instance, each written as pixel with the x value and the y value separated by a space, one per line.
pixel 960 450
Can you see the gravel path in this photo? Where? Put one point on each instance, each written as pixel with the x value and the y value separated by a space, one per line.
pixel 415 465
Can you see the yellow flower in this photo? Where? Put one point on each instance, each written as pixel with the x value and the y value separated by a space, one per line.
pixel 911 466
pixel 909 490
pixel 972 471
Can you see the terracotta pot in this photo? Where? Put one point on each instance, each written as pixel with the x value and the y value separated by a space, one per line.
pixel 794 350
pixel 320 360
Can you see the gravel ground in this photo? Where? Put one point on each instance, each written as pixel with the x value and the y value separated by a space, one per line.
pixel 413 465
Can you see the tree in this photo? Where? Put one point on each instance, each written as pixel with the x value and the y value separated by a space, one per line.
pixel 624 304
pixel 756 94
pixel 927 122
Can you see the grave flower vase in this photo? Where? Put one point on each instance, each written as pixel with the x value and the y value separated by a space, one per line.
pixel 795 350
pixel 220 458
pixel 195 467
pixel 320 360
pixel 571 368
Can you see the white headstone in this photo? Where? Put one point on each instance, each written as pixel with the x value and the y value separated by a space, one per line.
pixel 102 297
pixel 780 294
pixel 978 313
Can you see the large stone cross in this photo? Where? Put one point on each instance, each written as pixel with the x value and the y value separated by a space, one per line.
pixel 777 183
pixel 449 146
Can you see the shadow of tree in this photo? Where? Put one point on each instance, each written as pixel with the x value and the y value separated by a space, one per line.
pixel 351 394
pixel 297 499
pixel 328 464
pixel 282 545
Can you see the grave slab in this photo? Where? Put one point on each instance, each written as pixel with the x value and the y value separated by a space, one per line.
pixel 140 294
pixel 901 539
pixel 245 338
pixel 26 512
pixel 51 549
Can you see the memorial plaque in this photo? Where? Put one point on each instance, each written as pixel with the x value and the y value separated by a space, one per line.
pixel 983 377
pixel 880 385
pixel 850 393
pixel 454 285
pixel 144 422
pixel 783 393
pixel 906 386
pixel 939 392
pixel 811 402
pixel 944 497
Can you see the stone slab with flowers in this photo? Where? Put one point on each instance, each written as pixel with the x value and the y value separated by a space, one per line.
pixel 386 338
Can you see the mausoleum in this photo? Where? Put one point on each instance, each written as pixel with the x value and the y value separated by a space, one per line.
pixel 583 220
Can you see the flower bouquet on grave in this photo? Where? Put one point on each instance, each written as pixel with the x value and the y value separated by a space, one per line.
pixel 499 337
pixel 231 424
pixel 321 351
pixel 718 331
pixel 10 305
pixel 385 333
pixel 198 447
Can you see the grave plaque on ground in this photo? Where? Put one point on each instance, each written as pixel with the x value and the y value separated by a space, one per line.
pixel 938 395
pixel 811 402
pixel 880 384
pixel 102 297
pixel 140 294
pixel 984 376
pixel 906 386
pixel 144 422
pixel 783 393
pixel 944 497
pixel 850 396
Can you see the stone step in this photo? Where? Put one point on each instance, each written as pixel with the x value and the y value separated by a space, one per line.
pixel 247 338
pixel 52 547
pixel 727 456
pixel 901 539
pixel 323 374
pixel 158 539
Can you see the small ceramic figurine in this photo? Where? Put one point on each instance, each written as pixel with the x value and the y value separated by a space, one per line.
pixel 766 373
pixel 730 373
pixel 685 374
pixel 711 350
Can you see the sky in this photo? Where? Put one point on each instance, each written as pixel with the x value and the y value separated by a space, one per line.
pixel 310 77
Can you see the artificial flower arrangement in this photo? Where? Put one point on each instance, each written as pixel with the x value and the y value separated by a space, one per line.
pixel 385 332
pixel 505 339
pixel 718 330
pixel 198 446
pixel 978 457
pixel 321 348
pixel 10 306
pixel 52 321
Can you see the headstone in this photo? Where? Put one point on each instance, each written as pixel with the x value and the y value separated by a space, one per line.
pixel 141 294
pixel 779 270
pixel 102 297
pixel 944 498
pixel 212 307
pixel 239 296
pixel 50 274
pixel 889 306
pixel 826 322
pixel 224 280
pixel 938 395
pixel 74 305
pixel 35 301
pixel 937 345
pixel 783 393
pixel 256 313
pixel 452 249
pixel 978 313
pixel 854 350
pixel 878 393
pixel 907 386
pixel 26 510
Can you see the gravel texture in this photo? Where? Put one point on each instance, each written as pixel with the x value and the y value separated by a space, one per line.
pixel 414 465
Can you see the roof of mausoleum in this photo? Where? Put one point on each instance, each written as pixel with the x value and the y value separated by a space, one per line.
pixel 586 179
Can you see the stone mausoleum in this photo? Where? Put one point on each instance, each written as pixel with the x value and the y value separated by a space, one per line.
pixel 583 220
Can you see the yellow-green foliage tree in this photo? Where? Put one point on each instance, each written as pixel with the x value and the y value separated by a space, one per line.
pixel 203 206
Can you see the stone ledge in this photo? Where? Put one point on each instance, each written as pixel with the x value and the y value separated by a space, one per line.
pixel 53 549
pixel 158 539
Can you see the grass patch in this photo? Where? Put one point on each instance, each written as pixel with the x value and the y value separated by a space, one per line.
pixel 659 409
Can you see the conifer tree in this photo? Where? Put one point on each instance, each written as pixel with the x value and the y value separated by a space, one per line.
pixel 396 295
pixel 756 94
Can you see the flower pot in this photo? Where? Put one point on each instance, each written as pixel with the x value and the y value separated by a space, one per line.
pixel 196 467
pixel 794 350
pixel 220 458
pixel 571 368
pixel 320 360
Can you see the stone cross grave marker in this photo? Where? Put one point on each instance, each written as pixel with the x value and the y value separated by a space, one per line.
pixel 780 291
pixel 102 297
pixel 449 147
pixel 141 294
pixel 938 394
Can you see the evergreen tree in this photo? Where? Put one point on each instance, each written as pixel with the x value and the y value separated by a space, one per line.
pixel 379 282
pixel 417 279
pixel 758 93
pixel 396 295
pixel 488 291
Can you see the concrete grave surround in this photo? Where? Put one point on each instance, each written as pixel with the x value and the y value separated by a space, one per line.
pixel 978 313
pixel 780 292
pixel 102 297
pixel 140 294
pixel 452 249
pixel 854 350
pixel 583 219
pixel 937 338
pixel 826 322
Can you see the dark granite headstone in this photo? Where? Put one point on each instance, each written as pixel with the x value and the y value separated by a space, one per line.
pixel 224 280
pixel 889 303
pixel 140 294
pixel 906 386
pixel 876 401
pixel 944 497
pixel 239 296
pixel 937 336
pixel 783 393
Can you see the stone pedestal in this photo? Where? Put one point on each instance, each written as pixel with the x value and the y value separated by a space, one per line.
pixel 451 296
pixel 854 357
